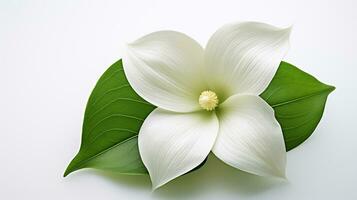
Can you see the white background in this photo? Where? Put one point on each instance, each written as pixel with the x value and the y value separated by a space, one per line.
pixel 53 52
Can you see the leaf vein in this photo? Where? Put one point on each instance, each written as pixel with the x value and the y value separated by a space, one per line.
pixel 301 98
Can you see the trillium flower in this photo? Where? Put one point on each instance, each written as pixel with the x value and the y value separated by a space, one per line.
pixel 208 99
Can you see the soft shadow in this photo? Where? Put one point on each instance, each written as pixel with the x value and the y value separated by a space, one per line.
pixel 132 181
pixel 139 182
pixel 214 175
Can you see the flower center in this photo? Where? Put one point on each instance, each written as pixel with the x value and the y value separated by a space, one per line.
pixel 208 100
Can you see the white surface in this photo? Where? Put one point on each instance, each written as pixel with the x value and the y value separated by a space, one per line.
pixel 52 53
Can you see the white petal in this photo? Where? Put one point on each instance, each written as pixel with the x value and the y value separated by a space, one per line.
pixel 171 144
pixel 165 69
pixel 249 136
pixel 247 55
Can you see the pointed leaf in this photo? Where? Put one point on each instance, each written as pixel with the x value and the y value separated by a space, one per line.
pixel 112 120
pixel 298 100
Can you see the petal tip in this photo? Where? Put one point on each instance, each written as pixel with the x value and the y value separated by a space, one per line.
pixel 288 29
pixel 156 184
pixel 282 177
pixel 280 174
pixel 154 187
pixel 128 46
pixel 285 32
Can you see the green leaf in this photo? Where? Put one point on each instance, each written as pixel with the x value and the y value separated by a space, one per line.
pixel 115 113
pixel 113 117
pixel 298 100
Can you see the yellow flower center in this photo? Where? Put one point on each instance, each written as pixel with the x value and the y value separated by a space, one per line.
pixel 208 100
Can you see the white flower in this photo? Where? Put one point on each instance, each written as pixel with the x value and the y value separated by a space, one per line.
pixel 208 99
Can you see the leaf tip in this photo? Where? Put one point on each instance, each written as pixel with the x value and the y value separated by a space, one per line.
pixel 332 88
pixel 71 168
pixel 68 171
